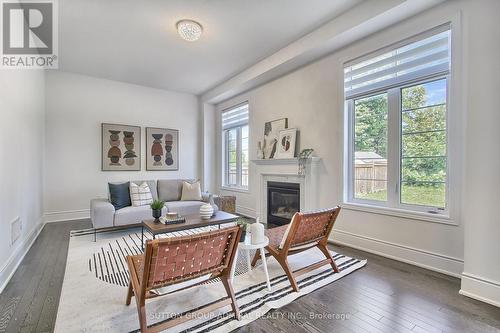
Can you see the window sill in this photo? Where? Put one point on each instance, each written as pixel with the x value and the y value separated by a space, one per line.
pixel 413 215
pixel 235 189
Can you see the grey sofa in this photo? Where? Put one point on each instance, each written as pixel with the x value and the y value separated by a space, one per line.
pixel 104 215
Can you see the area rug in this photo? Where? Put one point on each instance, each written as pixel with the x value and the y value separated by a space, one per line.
pixel 96 279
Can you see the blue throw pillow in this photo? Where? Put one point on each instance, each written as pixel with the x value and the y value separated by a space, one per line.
pixel 119 195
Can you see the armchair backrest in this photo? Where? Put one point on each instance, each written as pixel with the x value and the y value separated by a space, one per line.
pixel 173 260
pixel 312 227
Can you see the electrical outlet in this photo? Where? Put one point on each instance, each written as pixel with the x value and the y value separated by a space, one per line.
pixel 15 230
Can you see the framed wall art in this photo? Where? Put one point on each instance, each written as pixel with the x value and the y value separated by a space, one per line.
pixel 121 147
pixel 286 143
pixel 162 146
pixel 271 132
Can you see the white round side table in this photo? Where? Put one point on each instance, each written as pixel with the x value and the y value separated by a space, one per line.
pixel 247 246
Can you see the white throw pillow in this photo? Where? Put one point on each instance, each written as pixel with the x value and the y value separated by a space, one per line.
pixel 140 195
pixel 191 191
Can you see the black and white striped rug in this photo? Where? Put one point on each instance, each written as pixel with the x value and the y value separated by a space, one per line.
pixel 109 263
pixel 94 289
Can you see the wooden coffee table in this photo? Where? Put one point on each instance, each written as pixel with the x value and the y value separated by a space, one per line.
pixel 192 221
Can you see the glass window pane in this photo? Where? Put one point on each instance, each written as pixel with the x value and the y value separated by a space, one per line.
pixel 426 119
pixel 427 94
pixel 432 194
pixel 423 143
pixel 370 141
pixel 414 170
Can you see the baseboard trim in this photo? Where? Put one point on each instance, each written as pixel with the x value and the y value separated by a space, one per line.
pixel 68 215
pixel 10 267
pixel 245 211
pixel 433 261
pixel 474 286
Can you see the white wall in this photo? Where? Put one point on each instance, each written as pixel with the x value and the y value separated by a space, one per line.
pixel 22 111
pixel 209 149
pixel 311 99
pixel 76 107
pixel 481 277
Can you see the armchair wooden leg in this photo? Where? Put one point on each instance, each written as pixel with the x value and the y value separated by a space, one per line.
pixel 255 258
pixel 226 281
pixel 289 273
pixel 142 318
pixel 130 293
pixel 328 255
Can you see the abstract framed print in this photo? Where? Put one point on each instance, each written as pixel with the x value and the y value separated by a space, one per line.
pixel 286 143
pixel 121 147
pixel 271 132
pixel 162 145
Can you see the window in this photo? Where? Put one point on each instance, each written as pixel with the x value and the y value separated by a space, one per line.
pixel 235 146
pixel 397 138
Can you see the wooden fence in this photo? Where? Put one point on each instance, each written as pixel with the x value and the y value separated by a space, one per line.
pixel 370 177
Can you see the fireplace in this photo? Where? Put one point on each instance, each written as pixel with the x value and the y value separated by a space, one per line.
pixel 283 200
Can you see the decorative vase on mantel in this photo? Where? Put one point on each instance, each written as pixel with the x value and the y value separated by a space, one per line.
pixel 304 155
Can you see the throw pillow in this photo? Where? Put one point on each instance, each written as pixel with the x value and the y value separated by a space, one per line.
pixel 140 195
pixel 119 195
pixel 191 191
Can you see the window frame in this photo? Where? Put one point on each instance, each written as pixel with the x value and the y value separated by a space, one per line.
pixel 454 140
pixel 225 155
pixel 394 150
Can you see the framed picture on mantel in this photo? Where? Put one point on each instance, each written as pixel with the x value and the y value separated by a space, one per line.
pixel 286 143
pixel 121 147
pixel 162 145
pixel 271 132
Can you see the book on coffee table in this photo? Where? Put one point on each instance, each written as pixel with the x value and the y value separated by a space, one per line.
pixel 172 220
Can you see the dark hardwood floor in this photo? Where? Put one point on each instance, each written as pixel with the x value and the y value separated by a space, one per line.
pixel 384 296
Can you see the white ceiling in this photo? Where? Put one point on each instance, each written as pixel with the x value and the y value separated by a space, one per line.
pixel 136 41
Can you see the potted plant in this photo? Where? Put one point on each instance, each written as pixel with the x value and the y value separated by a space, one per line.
pixel 244 226
pixel 157 206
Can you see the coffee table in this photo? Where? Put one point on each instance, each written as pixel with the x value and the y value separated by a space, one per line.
pixel 192 221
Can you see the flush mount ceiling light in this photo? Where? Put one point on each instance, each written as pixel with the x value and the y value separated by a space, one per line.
pixel 189 30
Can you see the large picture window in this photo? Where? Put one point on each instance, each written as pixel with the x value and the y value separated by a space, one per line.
pixel 235 146
pixel 397 138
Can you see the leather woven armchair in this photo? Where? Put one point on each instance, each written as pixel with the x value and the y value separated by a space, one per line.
pixel 170 261
pixel 305 231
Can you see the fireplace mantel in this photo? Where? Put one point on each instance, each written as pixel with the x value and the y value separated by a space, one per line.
pixel 281 161
pixel 286 170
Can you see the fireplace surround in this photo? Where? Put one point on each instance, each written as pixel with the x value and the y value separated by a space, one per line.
pixel 285 170
pixel 283 201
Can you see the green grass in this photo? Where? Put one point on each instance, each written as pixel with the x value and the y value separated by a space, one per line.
pixel 413 194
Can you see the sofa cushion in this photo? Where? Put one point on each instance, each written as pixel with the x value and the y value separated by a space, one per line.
pixel 133 215
pixel 151 184
pixel 140 195
pixel 170 189
pixel 119 195
pixel 191 191
pixel 184 207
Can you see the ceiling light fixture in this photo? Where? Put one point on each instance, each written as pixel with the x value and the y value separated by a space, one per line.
pixel 189 30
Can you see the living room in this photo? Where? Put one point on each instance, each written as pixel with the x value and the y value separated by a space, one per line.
pixel 362 119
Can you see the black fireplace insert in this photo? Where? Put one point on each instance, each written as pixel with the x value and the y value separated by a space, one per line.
pixel 283 200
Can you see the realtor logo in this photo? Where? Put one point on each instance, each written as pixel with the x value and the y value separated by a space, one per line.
pixel 29 34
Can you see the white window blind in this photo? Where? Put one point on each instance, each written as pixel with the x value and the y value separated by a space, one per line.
pixel 423 56
pixel 235 117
